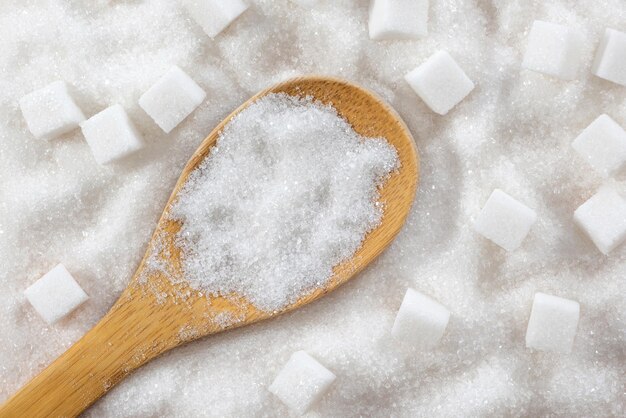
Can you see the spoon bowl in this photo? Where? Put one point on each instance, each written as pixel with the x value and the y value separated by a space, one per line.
pixel 159 310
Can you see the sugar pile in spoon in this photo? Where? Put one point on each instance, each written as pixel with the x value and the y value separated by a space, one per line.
pixel 288 192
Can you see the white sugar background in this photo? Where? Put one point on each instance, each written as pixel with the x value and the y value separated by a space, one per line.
pixel 512 132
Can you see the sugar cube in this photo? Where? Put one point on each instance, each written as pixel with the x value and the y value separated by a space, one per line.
pixel 421 321
pixel 552 324
pixel 398 19
pixel 171 99
pixel 554 50
pixel 55 294
pixel 301 382
pixel 504 220
pixel 215 15
pixel 50 111
pixel 603 145
pixel 603 218
pixel 610 60
pixel 440 82
pixel 111 135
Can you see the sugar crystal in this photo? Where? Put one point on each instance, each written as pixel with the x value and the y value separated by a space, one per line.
pixel 288 192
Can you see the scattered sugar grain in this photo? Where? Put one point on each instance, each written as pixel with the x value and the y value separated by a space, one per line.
pixel 288 192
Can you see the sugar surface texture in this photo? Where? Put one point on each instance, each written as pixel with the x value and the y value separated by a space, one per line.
pixel 513 132
pixel 55 294
pixel 215 15
pixel 398 19
pixel 307 3
pixel 603 145
pixel 554 50
pixel 301 382
pixel 440 82
pixel 172 98
pixel 288 192
pixel 111 135
pixel 420 322
pixel 51 111
pixel 610 60
pixel 504 220
pixel 552 324
pixel 603 219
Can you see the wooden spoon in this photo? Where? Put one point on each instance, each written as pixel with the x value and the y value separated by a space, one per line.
pixel 156 313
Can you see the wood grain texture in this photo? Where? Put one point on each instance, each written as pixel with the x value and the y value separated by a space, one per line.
pixel 158 311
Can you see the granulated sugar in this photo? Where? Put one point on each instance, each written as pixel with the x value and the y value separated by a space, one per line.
pixel 513 132
pixel 288 192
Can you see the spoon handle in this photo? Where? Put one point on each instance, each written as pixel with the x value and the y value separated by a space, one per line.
pixel 133 332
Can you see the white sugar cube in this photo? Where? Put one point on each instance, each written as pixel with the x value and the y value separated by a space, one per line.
pixel 55 294
pixel 171 99
pixel 440 82
pixel 215 15
pixel 301 382
pixel 554 50
pixel 610 60
pixel 398 19
pixel 420 321
pixel 552 324
pixel 603 145
pixel 603 218
pixel 111 135
pixel 50 111
pixel 504 220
